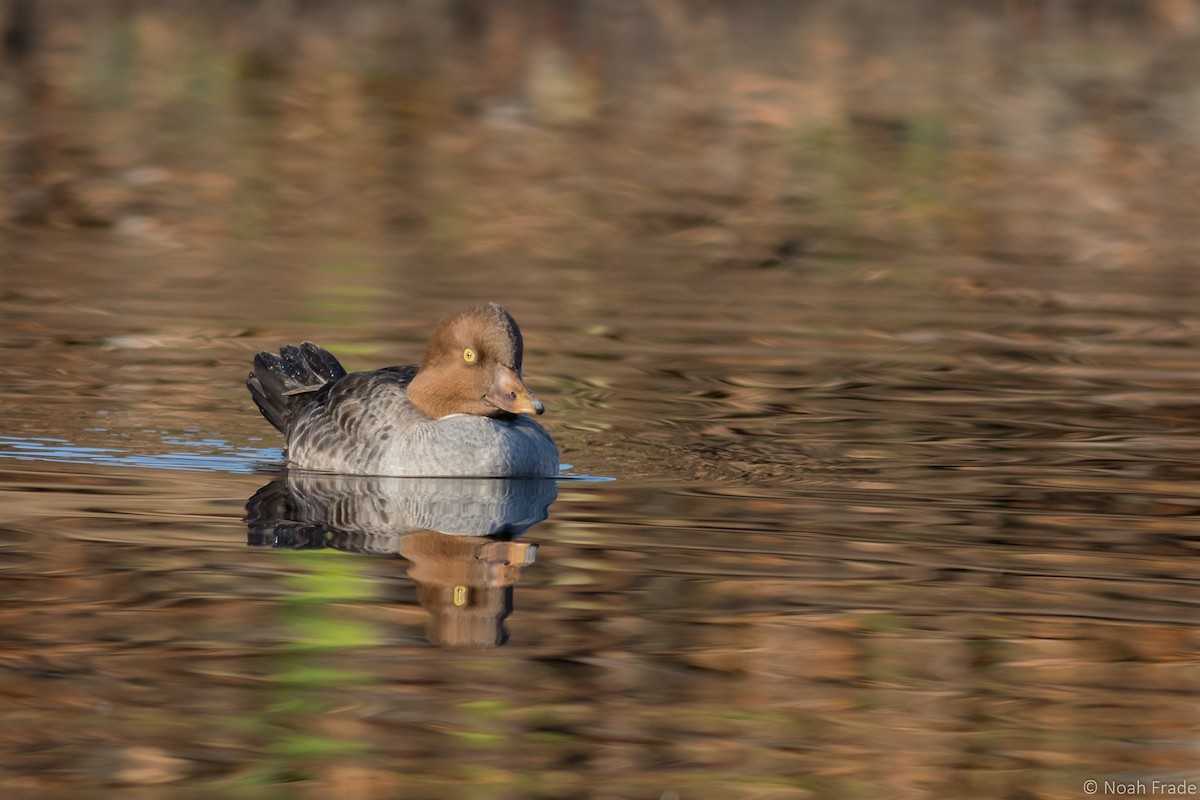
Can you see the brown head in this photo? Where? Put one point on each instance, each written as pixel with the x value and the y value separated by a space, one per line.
pixel 473 366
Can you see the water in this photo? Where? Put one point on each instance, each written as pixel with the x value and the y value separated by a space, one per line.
pixel 878 401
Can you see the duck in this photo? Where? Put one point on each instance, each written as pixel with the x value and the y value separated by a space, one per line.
pixel 464 411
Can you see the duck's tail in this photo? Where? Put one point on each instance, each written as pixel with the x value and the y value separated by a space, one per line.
pixel 283 384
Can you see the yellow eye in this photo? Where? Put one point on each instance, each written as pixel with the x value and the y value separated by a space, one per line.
pixel 469 356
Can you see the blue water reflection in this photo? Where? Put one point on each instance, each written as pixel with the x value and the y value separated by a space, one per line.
pixel 205 455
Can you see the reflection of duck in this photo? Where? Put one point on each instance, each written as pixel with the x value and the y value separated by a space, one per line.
pixel 461 412
pixel 456 533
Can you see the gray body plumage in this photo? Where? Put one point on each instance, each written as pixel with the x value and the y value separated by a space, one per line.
pixel 364 423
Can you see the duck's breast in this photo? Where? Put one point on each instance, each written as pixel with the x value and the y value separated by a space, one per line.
pixel 467 445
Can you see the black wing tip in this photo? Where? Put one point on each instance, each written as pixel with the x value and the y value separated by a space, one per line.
pixel 283 384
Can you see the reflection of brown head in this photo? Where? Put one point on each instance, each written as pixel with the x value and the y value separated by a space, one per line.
pixel 466 585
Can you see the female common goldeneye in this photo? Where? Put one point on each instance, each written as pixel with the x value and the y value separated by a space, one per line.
pixel 460 413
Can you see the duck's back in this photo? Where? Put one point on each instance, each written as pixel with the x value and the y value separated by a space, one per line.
pixel 349 425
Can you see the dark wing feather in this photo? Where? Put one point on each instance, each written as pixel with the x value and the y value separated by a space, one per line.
pixel 283 385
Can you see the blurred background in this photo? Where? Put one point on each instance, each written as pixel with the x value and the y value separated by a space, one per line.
pixel 741 134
